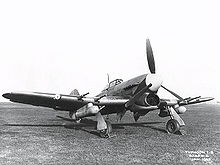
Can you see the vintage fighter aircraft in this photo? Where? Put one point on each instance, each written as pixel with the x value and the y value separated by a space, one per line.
pixel 139 95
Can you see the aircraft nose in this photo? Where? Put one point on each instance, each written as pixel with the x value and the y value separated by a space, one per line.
pixel 7 95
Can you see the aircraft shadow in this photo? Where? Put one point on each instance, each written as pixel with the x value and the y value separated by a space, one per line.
pixel 34 125
pixel 85 123
pixel 91 123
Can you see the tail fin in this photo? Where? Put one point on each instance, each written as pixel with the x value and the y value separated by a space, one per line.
pixel 75 92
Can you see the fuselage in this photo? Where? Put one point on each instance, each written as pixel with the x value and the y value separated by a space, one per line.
pixel 125 90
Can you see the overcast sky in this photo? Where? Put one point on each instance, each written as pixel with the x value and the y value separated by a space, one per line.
pixel 56 46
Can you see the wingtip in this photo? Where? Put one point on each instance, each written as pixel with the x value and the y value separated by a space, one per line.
pixel 7 95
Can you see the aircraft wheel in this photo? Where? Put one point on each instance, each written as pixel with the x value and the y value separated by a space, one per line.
pixel 172 126
pixel 104 133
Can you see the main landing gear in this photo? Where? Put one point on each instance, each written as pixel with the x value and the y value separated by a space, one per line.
pixel 174 124
pixel 105 133
pixel 104 127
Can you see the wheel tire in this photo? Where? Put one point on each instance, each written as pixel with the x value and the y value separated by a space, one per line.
pixel 105 133
pixel 172 126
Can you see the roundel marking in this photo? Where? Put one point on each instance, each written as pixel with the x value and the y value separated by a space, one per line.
pixel 57 97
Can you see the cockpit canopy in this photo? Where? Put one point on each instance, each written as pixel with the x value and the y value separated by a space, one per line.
pixel 113 83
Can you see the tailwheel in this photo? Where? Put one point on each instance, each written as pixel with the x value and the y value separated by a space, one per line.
pixel 105 133
pixel 172 126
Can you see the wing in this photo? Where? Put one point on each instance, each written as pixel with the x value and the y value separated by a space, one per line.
pixel 62 102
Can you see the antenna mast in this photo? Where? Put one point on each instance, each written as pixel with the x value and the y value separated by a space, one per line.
pixel 108 77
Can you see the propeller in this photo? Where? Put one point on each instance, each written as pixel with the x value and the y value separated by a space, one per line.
pixel 153 79
pixel 174 94
pixel 151 65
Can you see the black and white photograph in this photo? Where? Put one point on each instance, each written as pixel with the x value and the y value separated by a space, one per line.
pixel 110 82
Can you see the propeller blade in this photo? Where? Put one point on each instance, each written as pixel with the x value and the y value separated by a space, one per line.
pixel 174 94
pixel 150 57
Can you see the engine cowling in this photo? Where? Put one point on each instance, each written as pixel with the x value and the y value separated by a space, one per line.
pixel 180 109
pixel 148 99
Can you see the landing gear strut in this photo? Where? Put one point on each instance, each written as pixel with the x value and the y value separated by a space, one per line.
pixel 174 124
pixel 104 127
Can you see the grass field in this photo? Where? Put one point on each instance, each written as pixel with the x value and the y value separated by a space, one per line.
pixel 34 135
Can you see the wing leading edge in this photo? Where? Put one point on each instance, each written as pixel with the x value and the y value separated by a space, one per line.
pixel 60 101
